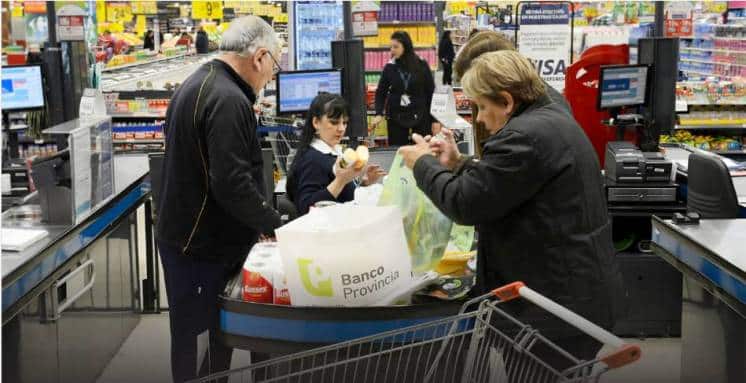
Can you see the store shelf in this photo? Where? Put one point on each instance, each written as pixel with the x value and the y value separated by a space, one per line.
pixel 726 102
pixel 712 62
pixel 388 48
pixel 138 141
pixel 729 38
pixel 724 51
pixel 711 127
pixel 704 73
pixel 137 115
pixel 726 152
pixel 399 22
pixel 139 63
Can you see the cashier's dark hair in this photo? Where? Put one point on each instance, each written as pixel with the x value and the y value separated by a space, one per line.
pixel 329 105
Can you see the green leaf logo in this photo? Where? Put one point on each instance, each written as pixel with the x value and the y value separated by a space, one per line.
pixel 311 277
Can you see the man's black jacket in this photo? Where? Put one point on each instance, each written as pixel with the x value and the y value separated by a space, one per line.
pixel 211 205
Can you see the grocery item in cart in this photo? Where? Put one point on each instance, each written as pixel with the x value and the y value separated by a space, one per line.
pixel 263 275
pixel 280 284
pixel 345 255
pixel 257 282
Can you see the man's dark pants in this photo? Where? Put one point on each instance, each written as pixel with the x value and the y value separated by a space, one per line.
pixel 193 287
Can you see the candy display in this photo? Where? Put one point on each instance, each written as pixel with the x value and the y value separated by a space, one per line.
pixel 712 143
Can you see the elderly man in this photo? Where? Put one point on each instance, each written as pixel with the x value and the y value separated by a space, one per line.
pixel 212 210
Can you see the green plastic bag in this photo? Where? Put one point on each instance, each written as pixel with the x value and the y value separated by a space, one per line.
pixel 426 228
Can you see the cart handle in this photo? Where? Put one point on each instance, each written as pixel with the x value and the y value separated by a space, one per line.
pixel 623 353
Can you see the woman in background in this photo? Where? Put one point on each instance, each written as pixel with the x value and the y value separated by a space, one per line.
pixel 446 54
pixel 404 92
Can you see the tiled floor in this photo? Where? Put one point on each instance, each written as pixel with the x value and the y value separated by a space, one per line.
pixel 144 358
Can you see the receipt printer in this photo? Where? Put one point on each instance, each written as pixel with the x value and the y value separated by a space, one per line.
pixel 625 164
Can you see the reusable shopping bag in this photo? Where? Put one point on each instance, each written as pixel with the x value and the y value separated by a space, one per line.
pixel 345 255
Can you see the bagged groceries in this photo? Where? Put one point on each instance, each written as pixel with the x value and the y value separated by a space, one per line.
pixel 427 229
pixel 345 255
pixel 263 277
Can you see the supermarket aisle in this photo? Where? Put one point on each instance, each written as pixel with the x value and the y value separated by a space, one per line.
pixel 144 358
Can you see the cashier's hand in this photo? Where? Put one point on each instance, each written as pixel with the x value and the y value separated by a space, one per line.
pixel 345 175
pixel 411 153
pixel 445 149
pixel 372 174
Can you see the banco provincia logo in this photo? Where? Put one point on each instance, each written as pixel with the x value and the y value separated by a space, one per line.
pixel 314 279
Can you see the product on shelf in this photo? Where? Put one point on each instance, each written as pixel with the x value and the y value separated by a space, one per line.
pixel 717 50
pixel 462 102
pixel 138 130
pixel 716 115
pixel 716 143
pixel 406 11
pixel 712 92
pixel 422 35
pixel 376 60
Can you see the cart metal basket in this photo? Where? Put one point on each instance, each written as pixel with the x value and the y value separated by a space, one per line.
pixel 484 345
pixel 282 137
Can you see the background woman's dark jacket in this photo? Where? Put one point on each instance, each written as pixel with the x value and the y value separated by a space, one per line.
pixel 537 201
pixel 420 90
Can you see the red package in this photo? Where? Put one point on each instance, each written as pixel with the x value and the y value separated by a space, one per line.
pixel 257 283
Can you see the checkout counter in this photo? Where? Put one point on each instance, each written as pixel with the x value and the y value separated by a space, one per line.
pixel 711 257
pixel 70 299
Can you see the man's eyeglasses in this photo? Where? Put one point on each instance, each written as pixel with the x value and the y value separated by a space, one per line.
pixel 276 68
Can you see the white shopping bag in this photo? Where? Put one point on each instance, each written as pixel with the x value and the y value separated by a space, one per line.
pixel 345 255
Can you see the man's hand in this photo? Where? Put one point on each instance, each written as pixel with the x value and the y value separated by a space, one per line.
pixel 412 153
pixel 267 238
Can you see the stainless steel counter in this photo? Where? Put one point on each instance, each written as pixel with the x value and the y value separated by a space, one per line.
pixel 715 250
pixel 23 271
pixel 711 257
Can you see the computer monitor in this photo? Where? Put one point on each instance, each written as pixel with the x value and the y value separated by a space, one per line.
pixel 622 85
pixel 296 89
pixel 22 87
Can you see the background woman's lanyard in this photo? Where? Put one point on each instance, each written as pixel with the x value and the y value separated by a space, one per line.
pixel 405 78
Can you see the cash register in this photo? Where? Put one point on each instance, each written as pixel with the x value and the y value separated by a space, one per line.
pixel 632 175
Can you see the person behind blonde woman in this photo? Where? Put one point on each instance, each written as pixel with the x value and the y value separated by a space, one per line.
pixel 535 197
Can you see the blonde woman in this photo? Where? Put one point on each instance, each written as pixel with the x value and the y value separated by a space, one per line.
pixel 535 197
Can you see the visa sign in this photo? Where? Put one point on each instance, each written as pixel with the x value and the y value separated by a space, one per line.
pixel 544 36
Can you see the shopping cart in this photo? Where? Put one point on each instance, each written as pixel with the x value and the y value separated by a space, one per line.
pixel 283 138
pixel 484 345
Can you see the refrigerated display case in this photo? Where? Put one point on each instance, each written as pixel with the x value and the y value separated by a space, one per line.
pixel 314 25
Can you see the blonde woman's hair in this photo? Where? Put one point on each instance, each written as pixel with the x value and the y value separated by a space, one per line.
pixel 507 71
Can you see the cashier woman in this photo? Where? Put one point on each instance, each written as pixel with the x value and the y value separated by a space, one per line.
pixel 535 195
pixel 316 174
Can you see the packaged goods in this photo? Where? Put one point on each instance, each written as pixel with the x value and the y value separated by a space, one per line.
pixel 257 282
pixel 263 275
pixel 357 158
pixel 281 293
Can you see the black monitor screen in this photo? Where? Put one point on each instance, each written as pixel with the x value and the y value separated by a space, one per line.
pixel 296 90
pixel 22 87
pixel 623 85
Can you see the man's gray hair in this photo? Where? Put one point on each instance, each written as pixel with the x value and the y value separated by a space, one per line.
pixel 247 34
